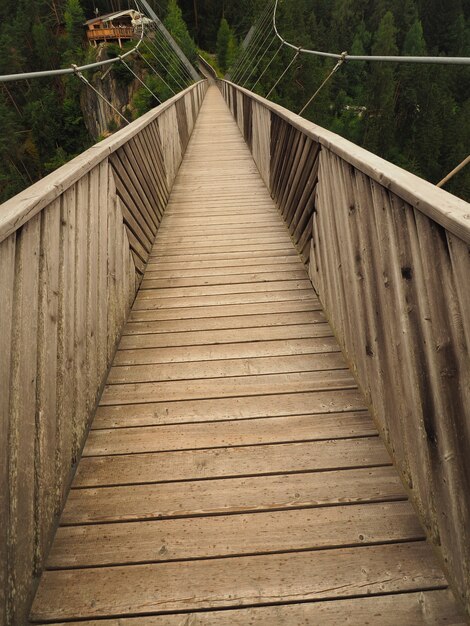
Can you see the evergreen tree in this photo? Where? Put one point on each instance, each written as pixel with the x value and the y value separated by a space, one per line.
pixel 223 41
pixel 380 131
pixel 177 27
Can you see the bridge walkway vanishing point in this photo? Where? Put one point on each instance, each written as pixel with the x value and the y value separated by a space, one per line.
pixel 232 463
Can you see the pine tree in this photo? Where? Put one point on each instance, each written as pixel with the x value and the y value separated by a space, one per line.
pixel 380 131
pixel 177 27
pixel 223 41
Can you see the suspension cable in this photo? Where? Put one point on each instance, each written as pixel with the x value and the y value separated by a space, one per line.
pixel 77 72
pixel 170 57
pixel 262 21
pixel 242 56
pixel 154 70
pixel 267 66
pixel 266 48
pixel 454 172
pixel 350 57
pixel 263 35
pixel 140 80
pixel 283 73
pixel 166 44
pixel 169 63
pixel 330 75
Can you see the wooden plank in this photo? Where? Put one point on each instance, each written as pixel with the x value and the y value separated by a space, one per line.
pixel 242 461
pixel 221 409
pixel 228 367
pixel 420 609
pixel 234 310
pixel 214 290
pixel 210 584
pixel 7 282
pixel 224 322
pixel 102 322
pixel 47 341
pixel 228 387
pixel 127 174
pixel 23 426
pixel 93 376
pixel 229 433
pixel 212 337
pixel 196 251
pixel 150 282
pixel 230 257
pixel 283 347
pixel 66 344
pixel 233 535
pixel 81 305
pixel 223 299
pixel 232 495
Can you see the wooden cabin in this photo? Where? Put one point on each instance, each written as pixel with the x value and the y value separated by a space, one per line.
pixel 120 26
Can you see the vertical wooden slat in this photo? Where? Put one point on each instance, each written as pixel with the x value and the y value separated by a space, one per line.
pixel 22 435
pixel 66 344
pixel 261 121
pixel 7 278
pixel 111 276
pixel 81 304
pixel 460 258
pixel 93 377
pixel 46 411
pixel 102 323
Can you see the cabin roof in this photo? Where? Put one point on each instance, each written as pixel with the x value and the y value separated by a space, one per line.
pixel 111 16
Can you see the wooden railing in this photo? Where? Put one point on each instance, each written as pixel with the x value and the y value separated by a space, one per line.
pixel 389 256
pixel 101 34
pixel 73 248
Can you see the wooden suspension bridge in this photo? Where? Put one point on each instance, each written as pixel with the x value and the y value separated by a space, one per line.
pixel 243 447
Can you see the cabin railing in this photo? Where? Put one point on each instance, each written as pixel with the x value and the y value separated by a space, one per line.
pixel 114 32
pixel 73 248
pixel 389 255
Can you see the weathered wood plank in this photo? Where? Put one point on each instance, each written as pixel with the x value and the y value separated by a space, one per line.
pixel 224 322
pixel 256 385
pixel 209 584
pixel 233 535
pixel 222 368
pixel 213 337
pixel 428 608
pixel 7 282
pixel 242 461
pixel 22 431
pixel 232 495
pixel 46 393
pixel 220 409
pixel 229 433
pixel 234 310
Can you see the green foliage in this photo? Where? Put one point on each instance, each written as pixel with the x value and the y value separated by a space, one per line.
pixel 74 18
pixel 144 101
pixel 414 115
pixel 227 46
pixel 177 27
pixel 223 40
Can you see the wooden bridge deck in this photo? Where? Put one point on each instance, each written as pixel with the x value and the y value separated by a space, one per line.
pixel 232 463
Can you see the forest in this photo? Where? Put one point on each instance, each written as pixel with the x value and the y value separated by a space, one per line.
pixel 417 116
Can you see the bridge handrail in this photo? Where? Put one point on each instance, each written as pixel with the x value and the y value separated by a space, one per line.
pixel 389 256
pixel 448 210
pixel 73 249
pixel 25 205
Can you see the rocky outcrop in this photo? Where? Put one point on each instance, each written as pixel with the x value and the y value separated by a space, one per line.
pixel 117 86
